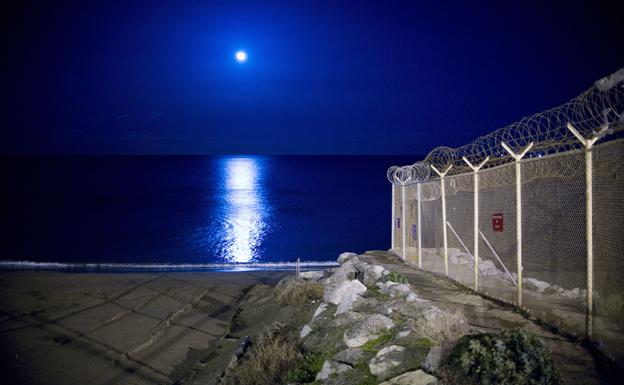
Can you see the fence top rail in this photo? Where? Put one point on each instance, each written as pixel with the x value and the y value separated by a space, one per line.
pixel 599 107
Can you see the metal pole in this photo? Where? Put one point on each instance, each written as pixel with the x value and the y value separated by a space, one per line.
pixel 589 219
pixel 444 235
pixel 403 234
pixel 476 219
pixel 517 158
pixel 419 226
pixel 393 220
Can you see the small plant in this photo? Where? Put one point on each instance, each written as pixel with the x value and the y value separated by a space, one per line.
pixel 362 374
pixel 396 277
pixel 293 292
pixel 511 357
pixel 271 357
pixel 306 369
pixel 371 346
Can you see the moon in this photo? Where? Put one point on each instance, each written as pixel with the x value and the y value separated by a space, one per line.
pixel 241 56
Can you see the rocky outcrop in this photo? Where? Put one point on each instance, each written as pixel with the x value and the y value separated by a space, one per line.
pixel 367 329
pixel 417 377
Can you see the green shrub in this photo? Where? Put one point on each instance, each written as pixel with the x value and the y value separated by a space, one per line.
pixel 511 357
pixel 395 277
pixel 307 368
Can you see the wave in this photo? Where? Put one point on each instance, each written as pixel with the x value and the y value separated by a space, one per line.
pixel 32 265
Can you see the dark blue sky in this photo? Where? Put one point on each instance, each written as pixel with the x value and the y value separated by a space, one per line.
pixel 322 77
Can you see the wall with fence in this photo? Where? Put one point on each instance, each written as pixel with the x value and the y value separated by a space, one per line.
pixel 532 214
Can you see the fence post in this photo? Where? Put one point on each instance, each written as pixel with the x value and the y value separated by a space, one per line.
pixel 418 214
pixel 444 237
pixel 589 218
pixel 476 218
pixel 393 221
pixel 517 158
pixel 404 232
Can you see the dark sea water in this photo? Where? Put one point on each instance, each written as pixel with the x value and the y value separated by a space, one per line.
pixel 178 210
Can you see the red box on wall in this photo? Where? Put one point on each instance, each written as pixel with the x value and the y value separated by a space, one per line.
pixel 498 223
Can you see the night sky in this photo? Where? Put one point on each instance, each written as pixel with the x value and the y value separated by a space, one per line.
pixel 160 77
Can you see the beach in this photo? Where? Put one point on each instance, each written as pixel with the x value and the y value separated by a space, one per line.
pixel 126 328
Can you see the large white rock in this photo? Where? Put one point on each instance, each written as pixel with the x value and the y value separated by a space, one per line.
pixel 331 368
pixel 370 274
pixel 312 275
pixel 417 377
pixel 335 294
pixel 367 329
pixel 347 257
pixel 346 272
pixel 488 267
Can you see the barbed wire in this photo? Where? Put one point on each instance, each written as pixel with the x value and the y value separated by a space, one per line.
pixel 601 107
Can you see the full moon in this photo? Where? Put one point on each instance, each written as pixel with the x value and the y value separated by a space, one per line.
pixel 241 56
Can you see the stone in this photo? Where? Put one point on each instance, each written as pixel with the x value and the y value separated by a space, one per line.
pixel 417 377
pixel 346 304
pixel 386 359
pixel 322 307
pixel 349 356
pixel 367 329
pixel 331 368
pixel 347 257
pixel 305 331
pixel 487 267
pixel 370 274
pixel 394 289
pixel 434 359
pixel 312 275
pixel 345 272
pixel 335 293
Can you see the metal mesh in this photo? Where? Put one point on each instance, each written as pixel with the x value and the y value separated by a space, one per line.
pixel 608 247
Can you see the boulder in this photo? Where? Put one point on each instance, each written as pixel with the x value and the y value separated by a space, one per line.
pixel 330 369
pixel 347 257
pixel 394 289
pixel 347 302
pixel 367 329
pixel 394 360
pixel 487 267
pixel 370 274
pixel 417 377
pixel 336 293
pixel 434 358
pixel 345 272
pixel 349 356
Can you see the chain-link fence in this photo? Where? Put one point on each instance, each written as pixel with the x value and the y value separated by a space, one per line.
pixel 539 227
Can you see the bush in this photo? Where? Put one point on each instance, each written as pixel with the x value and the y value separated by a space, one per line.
pixel 293 292
pixel 511 357
pixel 306 369
pixel 395 277
pixel 271 357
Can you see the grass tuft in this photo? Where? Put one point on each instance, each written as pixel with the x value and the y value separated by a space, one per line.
pixel 293 292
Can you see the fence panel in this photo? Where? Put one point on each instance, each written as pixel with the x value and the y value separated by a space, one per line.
pixel 460 218
pixel 608 296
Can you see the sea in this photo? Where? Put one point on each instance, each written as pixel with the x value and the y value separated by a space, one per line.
pixel 128 213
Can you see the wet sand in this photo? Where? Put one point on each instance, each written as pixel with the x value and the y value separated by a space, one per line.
pixel 125 328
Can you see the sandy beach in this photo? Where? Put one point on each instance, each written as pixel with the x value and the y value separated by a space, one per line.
pixel 123 328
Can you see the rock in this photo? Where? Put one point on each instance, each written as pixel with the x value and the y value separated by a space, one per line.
pixel 487 267
pixel 346 304
pixel 313 275
pixel 394 360
pixel 367 329
pixel 370 274
pixel 434 359
pixel 322 307
pixel 417 377
pixel 367 305
pixel 386 359
pixel 305 331
pixel 345 272
pixel 331 368
pixel 412 297
pixel 394 289
pixel 349 356
pixel 335 294
pixel 347 257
